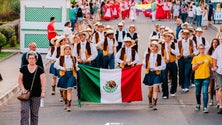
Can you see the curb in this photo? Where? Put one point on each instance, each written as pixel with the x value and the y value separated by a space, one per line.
pixel 8 95
pixel 9 56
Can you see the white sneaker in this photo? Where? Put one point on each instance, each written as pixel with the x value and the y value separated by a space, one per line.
pixel 173 95
pixel 164 97
pixel 186 90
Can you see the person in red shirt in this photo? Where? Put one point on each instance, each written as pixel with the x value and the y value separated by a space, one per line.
pixel 51 30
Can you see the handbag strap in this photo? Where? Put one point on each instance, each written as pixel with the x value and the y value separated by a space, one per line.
pixel 33 79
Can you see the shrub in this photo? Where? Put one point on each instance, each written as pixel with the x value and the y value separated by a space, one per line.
pixel 2 40
pixel 8 33
pixel 13 41
pixel 16 6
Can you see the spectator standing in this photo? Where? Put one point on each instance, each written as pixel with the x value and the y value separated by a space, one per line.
pixel 190 15
pixel 67 31
pixel 72 16
pixel 205 18
pixel 199 12
pixel 184 12
pixel 51 31
pixel 210 12
pixel 176 10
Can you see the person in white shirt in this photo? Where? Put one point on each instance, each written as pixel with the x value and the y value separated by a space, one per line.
pixel 153 63
pixel 67 65
pixel 52 58
pixel 156 32
pixel 85 52
pixel 176 10
pixel 169 51
pixel 67 31
pixel 199 39
pixel 199 12
pixel 120 35
pixel 217 67
pixel 187 49
pixel 190 15
pixel 97 40
pixel 126 56
pixel 109 50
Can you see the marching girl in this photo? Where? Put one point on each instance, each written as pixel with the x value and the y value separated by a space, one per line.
pixel 67 65
pixel 62 40
pixel 108 14
pixel 52 58
pixel 133 35
pixel 153 63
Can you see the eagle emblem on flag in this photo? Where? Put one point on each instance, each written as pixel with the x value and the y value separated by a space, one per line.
pixel 110 86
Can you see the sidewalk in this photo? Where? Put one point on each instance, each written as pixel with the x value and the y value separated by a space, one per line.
pixel 9 69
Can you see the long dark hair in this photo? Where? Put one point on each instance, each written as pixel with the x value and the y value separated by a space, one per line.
pixel 210 51
pixel 79 13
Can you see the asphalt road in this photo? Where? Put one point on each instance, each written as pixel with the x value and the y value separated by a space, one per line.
pixel 177 110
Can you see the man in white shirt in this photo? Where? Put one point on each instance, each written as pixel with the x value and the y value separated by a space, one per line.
pixel 120 35
pixel 84 51
pixel 199 12
pixel 169 52
pixel 126 56
pixel 187 49
pixel 217 67
pixel 109 50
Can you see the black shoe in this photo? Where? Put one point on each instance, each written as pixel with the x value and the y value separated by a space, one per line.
pixel 219 111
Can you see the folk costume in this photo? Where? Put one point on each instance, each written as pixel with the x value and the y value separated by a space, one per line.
pixel 187 49
pixel 159 10
pixel 127 56
pixel 153 63
pixel 85 51
pixel 169 51
pixel 109 49
pixel 134 36
pixel 68 74
pixel 97 40
pixel 199 39
pixel 120 35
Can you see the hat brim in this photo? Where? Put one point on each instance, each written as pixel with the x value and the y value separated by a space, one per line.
pixel 158 46
pixel 84 33
pixel 63 48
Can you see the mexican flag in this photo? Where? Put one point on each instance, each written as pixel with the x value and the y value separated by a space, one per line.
pixel 110 85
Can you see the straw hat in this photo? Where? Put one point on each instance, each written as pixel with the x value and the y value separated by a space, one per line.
pixel 84 33
pixel 58 41
pixel 186 32
pixel 63 48
pixel 108 27
pixel 132 26
pixel 100 25
pixel 162 27
pixel 120 24
pixel 109 32
pixel 88 30
pixel 53 40
pixel 127 39
pixel 96 24
pixel 191 28
pixel 168 34
pixel 154 38
pixel 199 29
pixel 157 44
pixel 185 24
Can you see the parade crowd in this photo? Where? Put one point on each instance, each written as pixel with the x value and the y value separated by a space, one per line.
pixel 180 56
